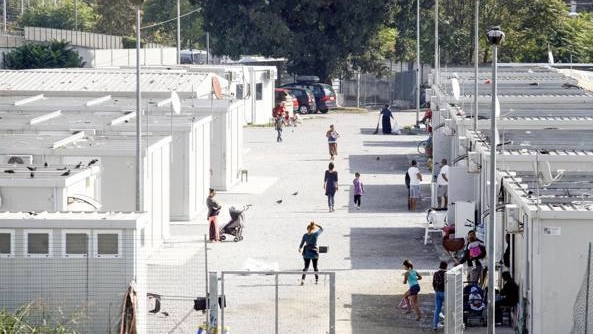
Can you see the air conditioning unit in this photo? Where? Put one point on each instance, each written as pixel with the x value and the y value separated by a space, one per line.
pixel 448 130
pixel 267 75
pixel 16 159
pixel 512 218
pixel 473 162
pixel 463 145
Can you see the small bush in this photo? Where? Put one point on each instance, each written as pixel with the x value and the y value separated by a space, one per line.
pixel 55 54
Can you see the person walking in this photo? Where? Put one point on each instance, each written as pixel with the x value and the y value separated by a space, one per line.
pixel 438 284
pixel 330 184
pixel 279 124
pixel 214 208
pixel 358 190
pixel 443 184
pixel 332 138
pixel 308 247
pixel 386 117
pixel 415 179
pixel 411 277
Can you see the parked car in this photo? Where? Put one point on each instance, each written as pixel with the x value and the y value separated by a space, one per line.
pixel 291 102
pixel 305 97
pixel 325 96
pixel 286 97
pixel 194 57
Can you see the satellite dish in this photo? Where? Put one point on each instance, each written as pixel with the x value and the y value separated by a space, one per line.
pixel 175 103
pixel 455 88
pixel 544 173
pixel 216 89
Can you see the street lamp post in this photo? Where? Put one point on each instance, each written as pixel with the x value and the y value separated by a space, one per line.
pixel 417 61
pixel 436 42
pixel 178 32
pixel 476 52
pixel 139 171
pixel 495 37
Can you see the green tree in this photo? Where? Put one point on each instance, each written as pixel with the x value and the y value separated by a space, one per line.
pixel 317 37
pixel 55 54
pixel 117 17
pixel 161 19
pixel 60 15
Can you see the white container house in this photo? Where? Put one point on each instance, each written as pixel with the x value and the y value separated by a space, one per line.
pixel 226 138
pixel 77 263
pixel 190 146
pixel 48 189
pixel 552 256
pixel 117 158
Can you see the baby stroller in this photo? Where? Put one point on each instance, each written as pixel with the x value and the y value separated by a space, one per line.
pixel 474 306
pixel 235 226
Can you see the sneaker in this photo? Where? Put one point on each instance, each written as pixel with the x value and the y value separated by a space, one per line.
pixel 358 208
pixel 316 281
pixel 302 282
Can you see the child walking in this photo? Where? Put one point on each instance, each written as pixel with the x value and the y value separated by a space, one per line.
pixel 358 190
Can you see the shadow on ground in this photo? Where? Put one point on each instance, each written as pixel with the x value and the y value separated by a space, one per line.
pixel 380 198
pixel 387 248
pixel 386 143
pixel 386 164
pixel 379 314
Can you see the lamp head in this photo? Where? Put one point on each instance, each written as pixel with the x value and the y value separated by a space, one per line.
pixel 495 35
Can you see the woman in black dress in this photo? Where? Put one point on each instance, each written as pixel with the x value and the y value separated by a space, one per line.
pixel 330 184
pixel 386 117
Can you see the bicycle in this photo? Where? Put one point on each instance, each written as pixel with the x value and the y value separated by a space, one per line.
pixel 422 145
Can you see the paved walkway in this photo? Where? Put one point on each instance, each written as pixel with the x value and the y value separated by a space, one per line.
pixel 367 246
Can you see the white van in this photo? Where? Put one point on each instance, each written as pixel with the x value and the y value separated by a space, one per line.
pixel 194 57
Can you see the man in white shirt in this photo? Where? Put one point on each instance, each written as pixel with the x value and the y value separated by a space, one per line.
pixel 443 184
pixel 415 178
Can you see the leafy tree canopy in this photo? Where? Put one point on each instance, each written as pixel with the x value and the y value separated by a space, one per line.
pixel 60 15
pixel 318 37
pixel 160 20
pixel 117 17
pixel 56 54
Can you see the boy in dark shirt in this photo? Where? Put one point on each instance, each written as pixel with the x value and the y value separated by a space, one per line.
pixel 438 284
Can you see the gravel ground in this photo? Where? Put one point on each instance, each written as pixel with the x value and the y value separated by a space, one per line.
pixel 366 246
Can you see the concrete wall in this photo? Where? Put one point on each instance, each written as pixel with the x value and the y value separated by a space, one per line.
pixel 97 58
pixel 76 38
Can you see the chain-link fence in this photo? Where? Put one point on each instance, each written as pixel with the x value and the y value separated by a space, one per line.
pixel 276 302
pixel 177 273
pixel 454 300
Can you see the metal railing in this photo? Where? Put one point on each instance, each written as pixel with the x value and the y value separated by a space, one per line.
pixel 252 292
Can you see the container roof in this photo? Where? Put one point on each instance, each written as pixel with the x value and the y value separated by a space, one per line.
pixel 522 91
pixel 571 192
pixel 73 220
pixel 115 81
pixel 79 144
pixel 45 176
pixel 100 121
pixel 47 101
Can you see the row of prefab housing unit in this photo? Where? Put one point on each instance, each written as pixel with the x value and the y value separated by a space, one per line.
pixel 68 143
pixel 544 182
